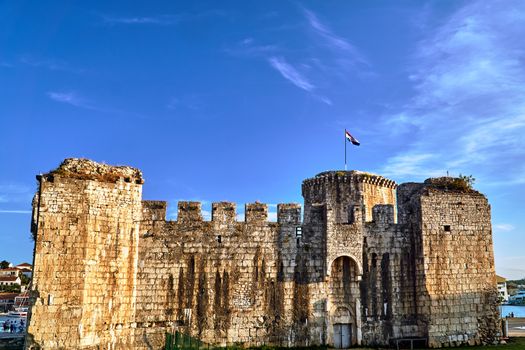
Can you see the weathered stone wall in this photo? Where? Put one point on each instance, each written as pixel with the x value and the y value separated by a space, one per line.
pixel 112 273
pixel 388 290
pixel 85 258
pixel 459 268
pixel 221 281
pixel 451 249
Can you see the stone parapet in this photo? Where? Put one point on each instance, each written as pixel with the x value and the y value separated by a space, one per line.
pixel 347 176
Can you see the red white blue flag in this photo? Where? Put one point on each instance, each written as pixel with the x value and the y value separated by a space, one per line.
pixel 351 139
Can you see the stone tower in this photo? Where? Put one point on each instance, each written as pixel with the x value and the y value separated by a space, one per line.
pixel 86 226
pixel 336 206
pixel 454 277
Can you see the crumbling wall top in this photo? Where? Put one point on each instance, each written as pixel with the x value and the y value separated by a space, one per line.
pixel 450 184
pixel 85 169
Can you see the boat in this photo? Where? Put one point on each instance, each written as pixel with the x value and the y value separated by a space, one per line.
pixel 18 312
pixel 518 298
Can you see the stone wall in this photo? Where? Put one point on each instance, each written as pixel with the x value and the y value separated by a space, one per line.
pixel 86 232
pixel 222 281
pixel 388 292
pixel 112 273
pixel 458 268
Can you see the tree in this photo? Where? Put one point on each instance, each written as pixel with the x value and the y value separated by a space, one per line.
pixel 25 280
pixel 4 264
pixel 13 288
pixel 469 179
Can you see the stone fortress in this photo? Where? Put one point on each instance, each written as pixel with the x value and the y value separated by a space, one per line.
pixel 371 263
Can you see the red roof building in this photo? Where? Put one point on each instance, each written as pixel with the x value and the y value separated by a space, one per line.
pixel 24 266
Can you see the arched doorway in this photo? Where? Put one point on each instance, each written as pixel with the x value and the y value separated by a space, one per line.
pixel 343 287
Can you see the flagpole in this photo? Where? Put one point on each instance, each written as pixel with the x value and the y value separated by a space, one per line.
pixel 345 148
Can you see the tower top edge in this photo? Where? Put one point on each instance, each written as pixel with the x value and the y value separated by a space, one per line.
pixel 350 175
pixel 86 169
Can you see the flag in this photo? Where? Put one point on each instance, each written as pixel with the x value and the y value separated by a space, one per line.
pixel 351 139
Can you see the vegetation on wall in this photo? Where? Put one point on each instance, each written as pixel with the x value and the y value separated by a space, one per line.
pixel 462 183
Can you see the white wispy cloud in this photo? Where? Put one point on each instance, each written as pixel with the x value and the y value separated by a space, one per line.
pixel 290 73
pixel 468 109
pixel 249 47
pixel 334 41
pixel 15 193
pixel 160 20
pixel 511 266
pixel 341 57
pixel 79 101
pixel 156 20
pixel 309 72
pixel 192 102
pixel 504 227
pixel 411 165
pixel 331 38
pixel 293 73
pixel 6 211
pixel 51 64
pixel 71 98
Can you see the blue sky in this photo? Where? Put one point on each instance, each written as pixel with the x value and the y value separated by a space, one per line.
pixel 242 100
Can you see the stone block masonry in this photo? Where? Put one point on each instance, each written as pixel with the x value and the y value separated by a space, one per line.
pixel 370 263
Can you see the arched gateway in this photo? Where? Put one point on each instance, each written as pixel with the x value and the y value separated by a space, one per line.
pixel 343 303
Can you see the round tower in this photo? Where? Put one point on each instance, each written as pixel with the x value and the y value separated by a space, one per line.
pixel 340 191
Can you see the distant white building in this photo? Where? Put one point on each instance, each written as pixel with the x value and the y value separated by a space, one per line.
pixel 25 268
pixel 9 272
pixel 502 288
pixel 9 280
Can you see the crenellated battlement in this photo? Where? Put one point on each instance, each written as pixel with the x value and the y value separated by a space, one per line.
pixel 256 212
pixel 340 190
pixel 154 210
pixel 189 211
pixel 348 176
pixel 223 212
pixel 289 213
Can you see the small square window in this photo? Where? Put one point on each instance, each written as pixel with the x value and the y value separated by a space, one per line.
pixel 446 228
pixel 219 238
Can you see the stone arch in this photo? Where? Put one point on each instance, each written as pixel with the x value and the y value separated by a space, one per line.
pixel 352 258
pixel 341 314
pixel 343 301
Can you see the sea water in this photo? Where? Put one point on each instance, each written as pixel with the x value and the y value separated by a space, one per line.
pixel 16 320
pixel 519 311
